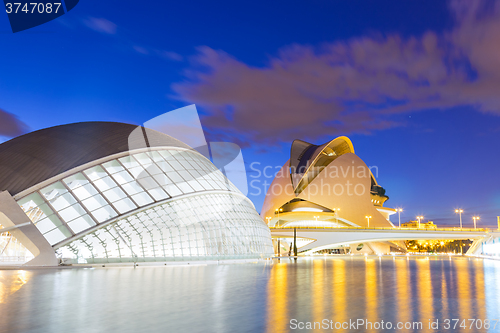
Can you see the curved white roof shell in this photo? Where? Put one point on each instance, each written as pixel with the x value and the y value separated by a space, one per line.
pixel 153 203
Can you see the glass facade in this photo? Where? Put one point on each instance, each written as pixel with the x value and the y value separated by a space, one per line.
pixel 205 226
pixel 85 200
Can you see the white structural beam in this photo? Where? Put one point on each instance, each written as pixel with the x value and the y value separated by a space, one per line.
pixel 477 247
pixel 19 225
pixel 15 227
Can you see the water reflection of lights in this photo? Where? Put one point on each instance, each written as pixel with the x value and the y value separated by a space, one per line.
pixel 318 290
pixel 258 298
pixel 277 291
pixel 371 289
pixel 402 290
pixel 12 281
pixel 424 281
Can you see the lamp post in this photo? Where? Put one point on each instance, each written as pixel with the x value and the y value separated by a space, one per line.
pixel 419 218
pixel 459 212
pixel 399 210
pixel 316 218
pixel 295 243
pixel 268 218
pixel 368 219
pixel 475 218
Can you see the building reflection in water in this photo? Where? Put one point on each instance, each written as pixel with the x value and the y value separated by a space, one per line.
pixel 340 303
pixel 250 297
pixel 371 290
pixel 396 289
pixel 492 286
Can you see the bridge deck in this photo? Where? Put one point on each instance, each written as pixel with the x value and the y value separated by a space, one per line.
pixel 326 236
pixel 385 228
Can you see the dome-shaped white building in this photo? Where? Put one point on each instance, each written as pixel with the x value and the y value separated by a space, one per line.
pixel 101 192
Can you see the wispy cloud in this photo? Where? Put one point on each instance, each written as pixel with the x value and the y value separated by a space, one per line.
pixel 105 26
pixel 101 25
pixel 350 86
pixel 140 49
pixel 10 125
pixel 170 55
pixel 167 55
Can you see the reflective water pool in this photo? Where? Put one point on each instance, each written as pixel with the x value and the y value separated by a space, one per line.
pixel 260 297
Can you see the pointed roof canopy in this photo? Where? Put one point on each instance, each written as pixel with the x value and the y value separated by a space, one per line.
pixel 307 160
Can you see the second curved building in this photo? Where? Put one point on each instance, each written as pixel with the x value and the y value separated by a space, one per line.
pixel 326 185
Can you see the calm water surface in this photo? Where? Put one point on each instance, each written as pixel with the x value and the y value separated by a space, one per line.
pixel 252 297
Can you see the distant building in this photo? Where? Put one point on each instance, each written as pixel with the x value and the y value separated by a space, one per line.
pixel 415 224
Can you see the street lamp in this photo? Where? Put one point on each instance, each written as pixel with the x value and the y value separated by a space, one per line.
pixel 460 211
pixel 278 211
pixel 399 210
pixel 419 218
pixel 316 217
pixel 268 219
pixel 475 218
pixel 368 219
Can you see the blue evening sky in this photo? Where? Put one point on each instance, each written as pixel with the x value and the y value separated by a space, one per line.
pixel 414 93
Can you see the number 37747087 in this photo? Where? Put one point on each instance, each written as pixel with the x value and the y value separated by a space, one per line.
pixel 32 7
